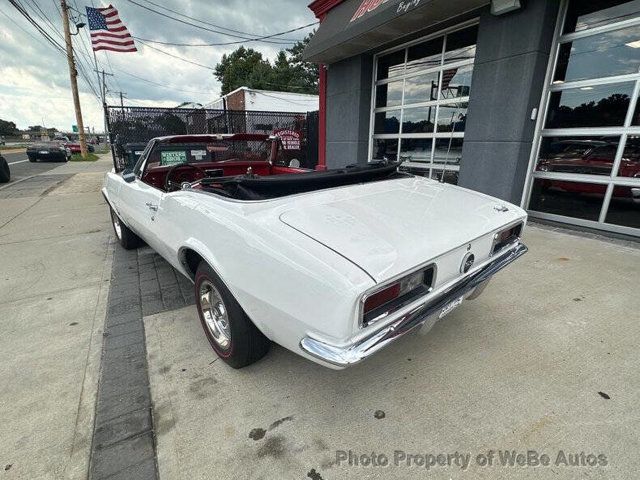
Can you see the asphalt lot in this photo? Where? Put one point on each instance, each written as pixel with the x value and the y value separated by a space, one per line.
pixel 21 167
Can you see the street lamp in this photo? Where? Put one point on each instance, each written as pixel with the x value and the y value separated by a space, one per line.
pixel 79 25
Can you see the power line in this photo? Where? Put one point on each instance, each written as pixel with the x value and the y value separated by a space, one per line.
pixel 163 86
pixel 52 41
pixel 209 23
pixel 176 56
pixel 250 39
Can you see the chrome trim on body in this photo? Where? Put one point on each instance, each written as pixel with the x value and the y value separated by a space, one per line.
pixel 344 356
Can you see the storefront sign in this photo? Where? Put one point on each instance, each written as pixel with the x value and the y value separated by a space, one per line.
pixel 370 5
pixel 290 139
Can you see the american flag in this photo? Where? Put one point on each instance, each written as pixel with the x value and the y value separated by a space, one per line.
pixel 108 32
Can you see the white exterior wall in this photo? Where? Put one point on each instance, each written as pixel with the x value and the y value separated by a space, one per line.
pixel 271 101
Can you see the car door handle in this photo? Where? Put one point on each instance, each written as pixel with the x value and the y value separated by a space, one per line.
pixel 152 206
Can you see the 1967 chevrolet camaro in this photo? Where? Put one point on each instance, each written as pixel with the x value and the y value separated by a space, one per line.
pixel 333 265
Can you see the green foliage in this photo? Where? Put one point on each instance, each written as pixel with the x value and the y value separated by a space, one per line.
pixel 172 124
pixel 245 67
pixel 7 128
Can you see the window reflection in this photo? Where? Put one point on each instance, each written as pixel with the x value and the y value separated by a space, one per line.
pixel 456 82
pixel 570 199
pixel 387 148
pixel 424 55
pixel 583 14
pixel 391 65
pixel 586 155
pixel 389 94
pixel 630 162
pixel 624 208
pixel 416 149
pixel 461 45
pixel 450 176
pixel 597 106
pixel 387 122
pixel 452 118
pixel 448 150
pixel 603 55
pixel 421 88
pixel 418 120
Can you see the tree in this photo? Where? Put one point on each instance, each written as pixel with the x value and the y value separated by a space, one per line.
pixel 307 73
pixel 242 67
pixel 289 72
pixel 7 128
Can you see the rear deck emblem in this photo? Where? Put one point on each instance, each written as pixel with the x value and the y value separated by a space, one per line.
pixel 467 262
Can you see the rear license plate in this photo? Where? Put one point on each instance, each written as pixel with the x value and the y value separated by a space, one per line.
pixel 43 152
pixel 450 306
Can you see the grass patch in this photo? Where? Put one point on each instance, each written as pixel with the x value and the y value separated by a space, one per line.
pixel 91 157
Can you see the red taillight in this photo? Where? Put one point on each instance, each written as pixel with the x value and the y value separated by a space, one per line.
pixel 381 297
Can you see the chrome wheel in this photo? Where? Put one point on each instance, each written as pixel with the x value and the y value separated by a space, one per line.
pixel 215 315
pixel 116 225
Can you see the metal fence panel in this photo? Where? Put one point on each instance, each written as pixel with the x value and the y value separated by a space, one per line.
pixel 131 125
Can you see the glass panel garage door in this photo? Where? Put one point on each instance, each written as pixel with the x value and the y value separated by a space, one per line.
pixel 586 169
pixel 420 103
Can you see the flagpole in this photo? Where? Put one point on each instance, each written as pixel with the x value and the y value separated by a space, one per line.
pixel 73 74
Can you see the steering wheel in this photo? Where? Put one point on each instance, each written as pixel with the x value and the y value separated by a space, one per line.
pixel 181 175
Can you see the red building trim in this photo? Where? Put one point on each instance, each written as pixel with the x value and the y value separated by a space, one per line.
pixel 321 7
pixel 322 119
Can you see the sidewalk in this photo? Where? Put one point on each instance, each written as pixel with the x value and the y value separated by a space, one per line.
pixel 54 273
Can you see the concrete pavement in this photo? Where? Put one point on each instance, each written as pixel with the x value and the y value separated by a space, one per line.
pixel 54 279
pixel 545 360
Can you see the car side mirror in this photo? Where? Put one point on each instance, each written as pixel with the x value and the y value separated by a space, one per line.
pixel 128 175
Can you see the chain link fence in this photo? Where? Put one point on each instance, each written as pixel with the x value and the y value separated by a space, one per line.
pixel 132 127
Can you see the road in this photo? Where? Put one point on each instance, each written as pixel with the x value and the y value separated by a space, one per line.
pixel 21 167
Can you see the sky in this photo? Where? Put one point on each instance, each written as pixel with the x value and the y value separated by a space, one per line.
pixel 34 76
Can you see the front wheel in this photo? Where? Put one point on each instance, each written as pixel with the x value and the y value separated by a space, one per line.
pixel 126 237
pixel 231 333
pixel 33 158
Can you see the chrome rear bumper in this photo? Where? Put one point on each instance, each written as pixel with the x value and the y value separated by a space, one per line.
pixel 344 356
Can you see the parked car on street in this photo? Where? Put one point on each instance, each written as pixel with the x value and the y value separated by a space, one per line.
pixel 5 173
pixel 332 265
pixel 75 147
pixel 54 151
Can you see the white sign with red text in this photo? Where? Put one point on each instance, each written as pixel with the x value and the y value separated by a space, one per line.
pixel 290 139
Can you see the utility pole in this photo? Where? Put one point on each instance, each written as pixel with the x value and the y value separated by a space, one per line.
pixel 123 95
pixel 73 74
pixel 103 91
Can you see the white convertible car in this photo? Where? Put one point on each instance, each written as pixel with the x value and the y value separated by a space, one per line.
pixel 333 265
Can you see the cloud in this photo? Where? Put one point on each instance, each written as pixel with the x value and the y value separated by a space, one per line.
pixel 34 78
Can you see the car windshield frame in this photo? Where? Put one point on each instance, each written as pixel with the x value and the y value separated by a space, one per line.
pixel 207 148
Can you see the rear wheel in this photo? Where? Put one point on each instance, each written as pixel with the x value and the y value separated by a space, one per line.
pixel 231 333
pixel 33 158
pixel 125 236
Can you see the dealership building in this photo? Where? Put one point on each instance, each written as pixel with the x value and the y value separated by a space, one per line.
pixel 532 101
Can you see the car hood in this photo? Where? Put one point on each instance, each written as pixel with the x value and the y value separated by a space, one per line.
pixel 391 226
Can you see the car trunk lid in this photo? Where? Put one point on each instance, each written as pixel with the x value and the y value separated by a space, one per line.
pixel 389 227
